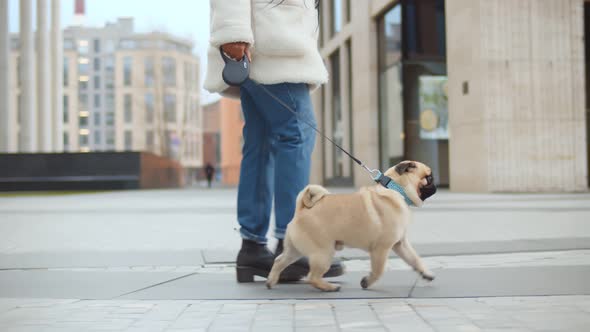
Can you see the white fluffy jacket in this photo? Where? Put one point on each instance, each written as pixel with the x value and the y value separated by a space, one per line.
pixel 283 38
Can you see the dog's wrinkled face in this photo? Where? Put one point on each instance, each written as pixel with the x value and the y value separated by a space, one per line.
pixel 415 175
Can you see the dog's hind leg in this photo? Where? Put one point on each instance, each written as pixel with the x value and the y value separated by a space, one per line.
pixel 319 264
pixel 406 252
pixel 289 256
pixel 378 261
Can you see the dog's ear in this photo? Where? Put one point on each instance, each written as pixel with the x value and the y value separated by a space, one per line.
pixel 404 167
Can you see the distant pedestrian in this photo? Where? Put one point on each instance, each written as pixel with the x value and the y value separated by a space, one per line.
pixel 209 172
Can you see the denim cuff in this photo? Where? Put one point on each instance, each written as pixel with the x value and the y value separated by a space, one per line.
pixel 249 236
pixel 280 233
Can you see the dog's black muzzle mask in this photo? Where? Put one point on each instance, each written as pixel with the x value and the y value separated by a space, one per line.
pixel 429 189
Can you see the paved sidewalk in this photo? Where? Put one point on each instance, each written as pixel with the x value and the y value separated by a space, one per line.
pixel 188 227
pixel 568 313
pixel 85 262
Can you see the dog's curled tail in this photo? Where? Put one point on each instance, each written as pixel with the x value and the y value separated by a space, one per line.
pixel 309 196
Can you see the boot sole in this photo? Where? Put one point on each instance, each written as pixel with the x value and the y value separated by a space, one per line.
pixel 246 274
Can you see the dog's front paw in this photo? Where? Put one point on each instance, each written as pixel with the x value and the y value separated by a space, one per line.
pixel 365 283
pixel 428 276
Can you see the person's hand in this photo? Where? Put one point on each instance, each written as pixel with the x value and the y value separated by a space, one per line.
pixel 236 51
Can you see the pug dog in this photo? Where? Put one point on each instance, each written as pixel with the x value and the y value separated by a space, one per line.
pixel 375 219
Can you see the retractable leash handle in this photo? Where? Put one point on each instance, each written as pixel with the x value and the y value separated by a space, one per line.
pixel 235 72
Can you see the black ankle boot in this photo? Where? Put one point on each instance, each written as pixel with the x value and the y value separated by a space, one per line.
pixel 301 266
pixel 254 259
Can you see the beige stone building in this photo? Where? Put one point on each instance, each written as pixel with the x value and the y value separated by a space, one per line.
pixel 157 105
pixel 120 91
pixel 490 93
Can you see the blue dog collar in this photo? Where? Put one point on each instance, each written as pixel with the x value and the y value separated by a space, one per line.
pixel 388 183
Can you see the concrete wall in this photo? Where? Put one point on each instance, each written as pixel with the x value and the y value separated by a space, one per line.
pixel 516 95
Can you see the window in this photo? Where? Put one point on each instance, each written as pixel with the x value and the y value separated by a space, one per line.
pixel 66 140
pixel 83 84
pixel 110 119
pixel 109 102
pixel 110 137
pixel 337 125
pixel 83 46
pixel 390 41
pixel 109 64
pixel 127 44
pixel 83 102
pixel 97 119
pixel 96 64
pixel 97 46
pixel 128 140
pixel 424 25
pixel 19 112
pixel 96 101
pixel 66 71
pixel 83 120
pixel 127 70
pixel 187 75
pixel 336 16
pixel 109 82
pixel 66 108
pixel 149 108
pixel 169 71
pixel 97 137
pixel 18 78
pixel 68 44
pixel 149 71
pixel 348 10
pixel 97 82
pixel 83 139
pixel 149 139
pixel 391 114
pixel 128 104
pixel 170 108
pixel 109 46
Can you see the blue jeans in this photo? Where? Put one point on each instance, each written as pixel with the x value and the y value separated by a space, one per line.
pixel 276 156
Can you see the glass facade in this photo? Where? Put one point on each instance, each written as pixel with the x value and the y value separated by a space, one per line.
pixel 412 86
pixel 337 134
pixel 337 117
pixel 391 119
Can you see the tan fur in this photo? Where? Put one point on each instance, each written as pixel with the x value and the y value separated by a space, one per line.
pixel 310 196
pixel 374 219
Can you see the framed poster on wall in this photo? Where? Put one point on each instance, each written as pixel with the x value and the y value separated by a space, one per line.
pixel 434 115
